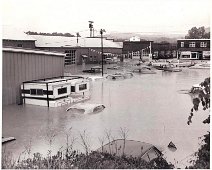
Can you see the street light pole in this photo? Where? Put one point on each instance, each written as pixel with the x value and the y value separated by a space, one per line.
pixel 101 32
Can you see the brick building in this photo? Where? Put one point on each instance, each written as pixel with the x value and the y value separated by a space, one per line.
pixel 164 50
pixel 195 49
pixel 85 49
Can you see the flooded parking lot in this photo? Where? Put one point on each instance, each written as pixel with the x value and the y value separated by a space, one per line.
pixel 150 106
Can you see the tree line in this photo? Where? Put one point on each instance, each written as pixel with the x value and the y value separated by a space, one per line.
pixel 197 33
pixel 51 34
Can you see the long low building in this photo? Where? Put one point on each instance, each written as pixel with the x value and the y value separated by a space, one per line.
pixel 21 65
pixel 79 50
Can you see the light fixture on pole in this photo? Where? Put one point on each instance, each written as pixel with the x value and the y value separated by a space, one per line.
pixel 91 27
pixel 101 32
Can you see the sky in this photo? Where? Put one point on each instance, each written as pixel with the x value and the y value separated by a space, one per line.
pixel 164 16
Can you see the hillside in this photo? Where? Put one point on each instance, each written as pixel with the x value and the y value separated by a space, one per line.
pixel 156 37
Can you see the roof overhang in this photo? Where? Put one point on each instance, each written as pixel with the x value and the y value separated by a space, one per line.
pixel 32 51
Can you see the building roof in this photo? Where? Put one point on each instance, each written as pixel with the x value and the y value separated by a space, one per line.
pixel 21 50
pixel 10 33
pixel 193 39
pixel 60 41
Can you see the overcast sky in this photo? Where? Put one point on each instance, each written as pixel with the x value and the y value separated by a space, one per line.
pixel 167 16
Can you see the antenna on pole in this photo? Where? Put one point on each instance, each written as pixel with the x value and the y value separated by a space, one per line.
pixel 91 27
pixel 77 37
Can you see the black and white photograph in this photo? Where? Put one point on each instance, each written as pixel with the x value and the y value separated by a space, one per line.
pixel 105 84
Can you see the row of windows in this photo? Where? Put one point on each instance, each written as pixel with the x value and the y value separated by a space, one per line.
pixel 39 92
pixel 193 44
pixel 70 57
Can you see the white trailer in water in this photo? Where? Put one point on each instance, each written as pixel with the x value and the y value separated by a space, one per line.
pixel 54 92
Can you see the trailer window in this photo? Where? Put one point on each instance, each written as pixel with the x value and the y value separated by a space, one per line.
pixel 33 91
pixel 82 87
pixel 62 90
pixel 72 88
pixel 38 92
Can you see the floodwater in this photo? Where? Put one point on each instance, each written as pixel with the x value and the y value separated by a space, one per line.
pixel 151 107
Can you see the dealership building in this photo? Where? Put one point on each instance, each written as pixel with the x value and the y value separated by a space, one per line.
pixel 193 49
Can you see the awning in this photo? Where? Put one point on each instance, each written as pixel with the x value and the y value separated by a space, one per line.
pixel 186 53
pixel 85 56
pixel 107 54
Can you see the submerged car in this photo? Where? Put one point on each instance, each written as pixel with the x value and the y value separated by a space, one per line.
pixel 114 67
pixel 201 66
pixel 143 70
pixel 95 69
pixel 196 88
pixel 86 108
pixel 171 68
pixel 120 76
pixel 145 151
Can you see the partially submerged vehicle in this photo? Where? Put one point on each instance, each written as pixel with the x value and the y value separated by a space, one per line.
pixel 86 108
pixel 132 148
pixel 114 67
pixel 144 70
pixel 120 76
pixel 8 139
pixel 95 69
pixel 196 88
pixel 171 68
pixel 95 78
pixel 54 92
pixel 201 66
pixel 181 63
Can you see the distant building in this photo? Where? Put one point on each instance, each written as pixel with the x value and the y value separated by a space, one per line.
pixel 164 50
pixel 135 38
pixel 136 49
pixel 194 49
pixel 15 38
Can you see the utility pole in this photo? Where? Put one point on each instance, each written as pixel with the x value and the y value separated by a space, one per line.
pixel 150 51
pixel 101 32
pixel 91 27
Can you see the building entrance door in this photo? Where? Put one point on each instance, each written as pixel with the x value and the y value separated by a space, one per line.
pixel 194 55
pixel 200 55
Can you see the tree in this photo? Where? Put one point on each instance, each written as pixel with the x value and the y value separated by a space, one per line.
pixel 197 33
pixel 203 98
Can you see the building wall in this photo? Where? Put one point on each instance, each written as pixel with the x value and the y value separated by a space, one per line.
pixel 79 51
pixel 130 46
pixel 197 43
pixel 164 50
pixel 19 67
pixel 195 52
pixel 94 56
pixel 19 43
